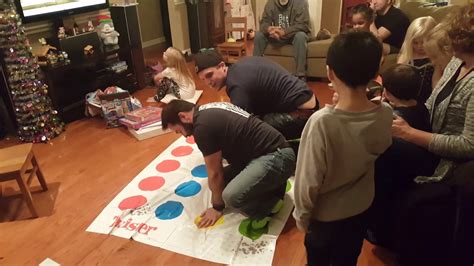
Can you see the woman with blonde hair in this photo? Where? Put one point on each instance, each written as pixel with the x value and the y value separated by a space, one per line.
pixel 437 48
pixel 175 79
pixel 413 53
pixel 427 209
pixel 412 49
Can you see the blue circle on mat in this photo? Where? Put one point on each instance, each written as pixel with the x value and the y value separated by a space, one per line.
pixel 188 189
pixel 199 171
pixel 169 210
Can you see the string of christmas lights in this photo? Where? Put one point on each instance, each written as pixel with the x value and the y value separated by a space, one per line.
pixel 37 121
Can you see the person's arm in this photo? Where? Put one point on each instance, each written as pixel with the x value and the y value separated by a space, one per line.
pixel 300 23
pixel 215 173
pixel 216 181
pixel 457 146
pixel 451 146
pixel 381 33
pixel 401 129
pixel 161 75
pixel 267 20
pixel 310 172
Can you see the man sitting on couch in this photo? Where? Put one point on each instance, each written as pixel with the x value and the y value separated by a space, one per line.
pixel 285 22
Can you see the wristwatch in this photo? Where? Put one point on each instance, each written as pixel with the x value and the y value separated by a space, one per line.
pixel 219 207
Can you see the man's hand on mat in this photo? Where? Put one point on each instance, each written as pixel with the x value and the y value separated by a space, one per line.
pixel 209 217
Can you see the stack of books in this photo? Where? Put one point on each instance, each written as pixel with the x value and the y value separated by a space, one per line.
pixel 144 123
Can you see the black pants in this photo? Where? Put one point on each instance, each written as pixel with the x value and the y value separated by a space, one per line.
pixel 336 243
pixel 166 86
pixel 436 221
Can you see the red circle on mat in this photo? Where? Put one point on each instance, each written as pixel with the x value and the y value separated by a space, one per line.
pixel 190 140
pixel 182 151
pixel 132 202
pixel 167 166
pixel 151 183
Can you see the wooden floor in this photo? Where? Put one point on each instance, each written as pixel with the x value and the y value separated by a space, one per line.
pixel 85 167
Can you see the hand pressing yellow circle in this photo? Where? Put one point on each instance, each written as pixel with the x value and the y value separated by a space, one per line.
pixel 218 222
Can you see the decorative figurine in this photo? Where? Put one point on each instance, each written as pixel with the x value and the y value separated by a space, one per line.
pixel 109 35
pixel 90 26
pixel 61 33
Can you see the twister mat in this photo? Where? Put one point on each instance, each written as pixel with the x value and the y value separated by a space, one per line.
pixel 160 205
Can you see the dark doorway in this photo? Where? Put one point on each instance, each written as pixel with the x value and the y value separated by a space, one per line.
pixel 165 19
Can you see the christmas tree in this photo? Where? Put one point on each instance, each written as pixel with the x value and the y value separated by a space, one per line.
pixel 37 121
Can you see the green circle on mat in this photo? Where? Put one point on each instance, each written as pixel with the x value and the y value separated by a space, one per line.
pixel 246 229
pixel 288 186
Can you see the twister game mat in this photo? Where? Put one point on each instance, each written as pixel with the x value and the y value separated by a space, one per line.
pixel 160 205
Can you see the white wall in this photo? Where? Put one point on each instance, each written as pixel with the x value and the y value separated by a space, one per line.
pixel 179 24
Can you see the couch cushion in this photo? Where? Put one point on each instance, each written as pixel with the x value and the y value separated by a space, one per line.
pixel 315 49
pixel 415 10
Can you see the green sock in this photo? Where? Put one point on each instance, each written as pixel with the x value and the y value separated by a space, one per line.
pixel 260 223
pixel 277 206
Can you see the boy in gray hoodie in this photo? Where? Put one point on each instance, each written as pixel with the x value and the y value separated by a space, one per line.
pixel 285 22
pixel 335 167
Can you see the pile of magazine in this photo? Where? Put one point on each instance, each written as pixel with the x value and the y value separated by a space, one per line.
pixel 144 123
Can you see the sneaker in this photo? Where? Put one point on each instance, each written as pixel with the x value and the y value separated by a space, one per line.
pixel 276 209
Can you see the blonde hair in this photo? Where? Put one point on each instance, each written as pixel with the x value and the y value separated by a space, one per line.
pixel 175 59
pixel 417 29
pixel 437 45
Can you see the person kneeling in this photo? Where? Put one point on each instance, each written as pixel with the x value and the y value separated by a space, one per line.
pixel 260 159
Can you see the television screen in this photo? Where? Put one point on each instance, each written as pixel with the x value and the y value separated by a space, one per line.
pixel 40 9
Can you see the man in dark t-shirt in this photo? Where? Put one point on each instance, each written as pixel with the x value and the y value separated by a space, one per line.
pixel 263 88
pixel 260 160
pixel 390 25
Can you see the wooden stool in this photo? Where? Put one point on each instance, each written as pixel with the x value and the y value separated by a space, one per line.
pixel 15 163
pixel 233 51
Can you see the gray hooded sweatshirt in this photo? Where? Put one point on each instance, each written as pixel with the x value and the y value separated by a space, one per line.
pixel 293 17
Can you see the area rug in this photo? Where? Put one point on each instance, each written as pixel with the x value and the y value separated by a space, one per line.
pixel 160 205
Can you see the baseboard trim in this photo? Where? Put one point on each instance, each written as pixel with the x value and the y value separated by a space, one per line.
pixel 153 42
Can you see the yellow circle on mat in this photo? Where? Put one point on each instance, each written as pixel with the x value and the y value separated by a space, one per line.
pixel 218 222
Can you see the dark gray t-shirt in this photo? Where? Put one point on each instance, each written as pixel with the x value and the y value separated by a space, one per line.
pixel 260 86
pixel 240 136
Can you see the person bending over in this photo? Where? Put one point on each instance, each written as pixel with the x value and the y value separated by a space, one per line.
pixel 260 160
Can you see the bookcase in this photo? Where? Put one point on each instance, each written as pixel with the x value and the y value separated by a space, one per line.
pixel 69 84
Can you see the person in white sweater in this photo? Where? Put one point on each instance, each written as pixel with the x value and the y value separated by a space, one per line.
pixel 175 79
pixel 335 167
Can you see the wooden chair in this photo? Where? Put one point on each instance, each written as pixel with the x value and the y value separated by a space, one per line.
pixel 15 163
pixel 233 51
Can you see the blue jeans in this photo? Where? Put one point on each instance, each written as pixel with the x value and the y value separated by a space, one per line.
pixel 255 188
pixel 299 43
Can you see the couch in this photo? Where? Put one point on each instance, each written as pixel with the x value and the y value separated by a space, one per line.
pixel 317 50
